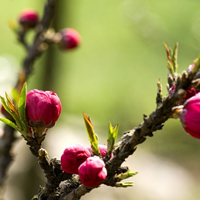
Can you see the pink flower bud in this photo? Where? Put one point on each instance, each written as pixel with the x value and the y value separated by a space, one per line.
pixel 92 172
pixel 102 149
pixel 70 39
pixel 42 108
pixel 28 18
pixel 73 157
pixel 190 116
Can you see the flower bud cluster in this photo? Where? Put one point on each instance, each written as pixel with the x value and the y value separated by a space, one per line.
pixel 66 39
pixel 188 109
pixel 78 159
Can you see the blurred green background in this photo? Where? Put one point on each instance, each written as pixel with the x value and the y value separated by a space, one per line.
pixel 112 75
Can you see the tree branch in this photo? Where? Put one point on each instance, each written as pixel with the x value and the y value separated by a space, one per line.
pixel 129 141
pixel 33 52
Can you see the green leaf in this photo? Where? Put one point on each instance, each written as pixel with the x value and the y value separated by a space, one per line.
pixel 22 106
pixel 174 57
pixel 11 105
pixel 10 123
pixel 170 67
pixel 126 175
pixel 10 108
pixel 112 136
pixel 5 105
pixel 93 138
pixel 125 184
pixel 196 68
pixel 15 96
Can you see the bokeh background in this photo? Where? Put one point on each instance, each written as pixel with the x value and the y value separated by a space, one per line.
pixel 111 77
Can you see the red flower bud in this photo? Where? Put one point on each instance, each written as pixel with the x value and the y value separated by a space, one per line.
pixel 92 172
pixel 42 108
pixel 190 116
pixel 28 18
pixel 102 149
pixel 73 157
pixel 70 39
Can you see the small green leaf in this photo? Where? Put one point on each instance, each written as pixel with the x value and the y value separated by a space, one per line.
pixel 5 105
pixel 91 134
pixel 112 136
pixel 174 57
pixel 22 106
pixel 11 105
pixel 197 65
pixel 168 51
pixel 126 175
pixel 10 108
pixel 170 67
pixel 125 184
pixel 10 123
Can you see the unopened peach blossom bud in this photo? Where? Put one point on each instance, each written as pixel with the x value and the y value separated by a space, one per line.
pixel 190 116
pixel 69 39
pixel 28 18
pixel 42 108
pixel 92 172
pixel 72 157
